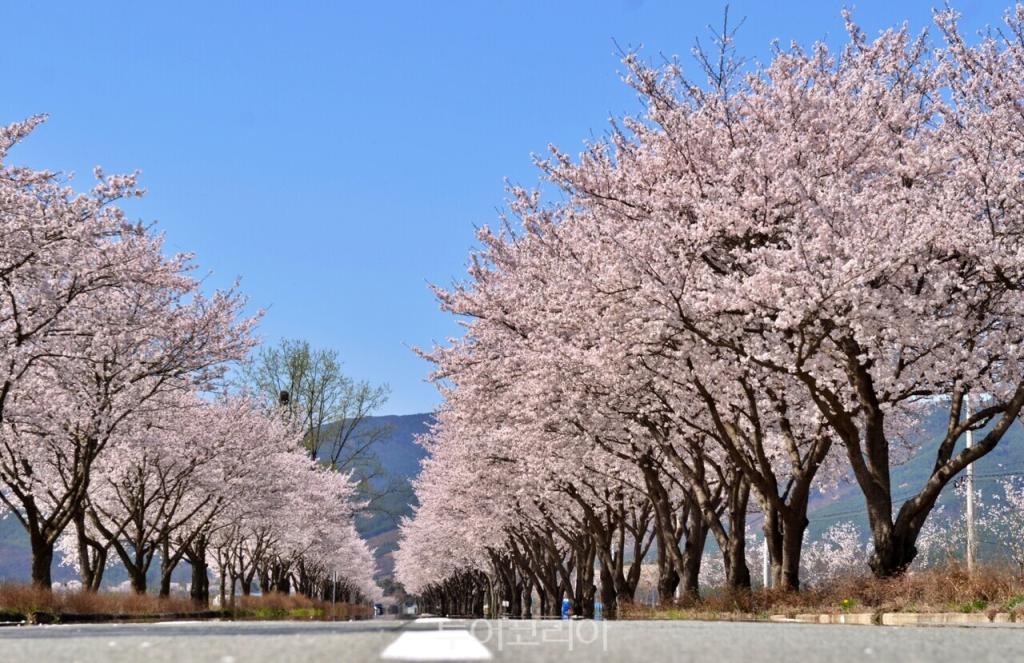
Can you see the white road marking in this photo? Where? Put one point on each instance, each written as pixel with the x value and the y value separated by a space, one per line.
pixel 432 620
pixel 178 623
pixel 436 646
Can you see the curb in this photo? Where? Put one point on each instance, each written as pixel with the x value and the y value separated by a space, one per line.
pixel 902 618
pixel 41 617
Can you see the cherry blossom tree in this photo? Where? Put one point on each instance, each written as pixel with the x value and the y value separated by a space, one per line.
pixel 291 527
pixel 110 433
pixel 816 260
pixel 143 330
pixel 161 485
pixel 839 552
pixel 999 519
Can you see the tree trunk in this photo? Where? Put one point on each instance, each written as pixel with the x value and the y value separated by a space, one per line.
pixel 42 561
pixel 734 552
pixel 608 591
pixel 92 556
pixel 138 578
pixel 200 588
pixel 737 573
pixel 668 581
pixel 693 551
pixel 280 578
pixel 792 543
pixel 165 582
pixel 517 596
pixel 773 539
pixel 264 579
pixel 895 546
pixel 168 563
pixel 86 570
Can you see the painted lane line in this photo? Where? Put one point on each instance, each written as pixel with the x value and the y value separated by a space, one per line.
pixel 432 620
pixel 436 646
pixel 182 622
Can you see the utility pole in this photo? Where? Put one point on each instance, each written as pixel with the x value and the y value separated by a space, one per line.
pixel 765 565
pixel 971 541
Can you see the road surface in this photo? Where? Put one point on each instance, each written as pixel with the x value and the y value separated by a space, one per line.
pixel 425 640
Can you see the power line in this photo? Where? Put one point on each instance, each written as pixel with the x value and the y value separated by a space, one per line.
pixel 990 475
pixel 900 499
pixel 855 512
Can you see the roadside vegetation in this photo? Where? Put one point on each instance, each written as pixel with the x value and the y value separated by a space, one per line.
pixel 29 604
pixel 949 588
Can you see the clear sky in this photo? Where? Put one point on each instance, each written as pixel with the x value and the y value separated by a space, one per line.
pixel 336 156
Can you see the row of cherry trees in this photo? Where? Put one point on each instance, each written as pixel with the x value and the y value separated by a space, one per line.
pixel 755 289
pixel 114 445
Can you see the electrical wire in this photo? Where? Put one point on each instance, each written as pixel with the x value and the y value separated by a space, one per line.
pixel 900 499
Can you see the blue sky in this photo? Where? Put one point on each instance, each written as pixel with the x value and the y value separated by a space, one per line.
pixel 337 156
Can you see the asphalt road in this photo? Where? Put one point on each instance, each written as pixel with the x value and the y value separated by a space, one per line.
pixel 647 642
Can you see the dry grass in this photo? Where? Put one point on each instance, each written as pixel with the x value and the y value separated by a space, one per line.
pixel 295 606
pixel 346 611
pixel 89 603
pixel 19 601
pixel 25 600
pixel 948 589
pixel 274 601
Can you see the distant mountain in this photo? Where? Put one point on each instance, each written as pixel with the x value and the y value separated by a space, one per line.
pixel 398 453
pixel 398 458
